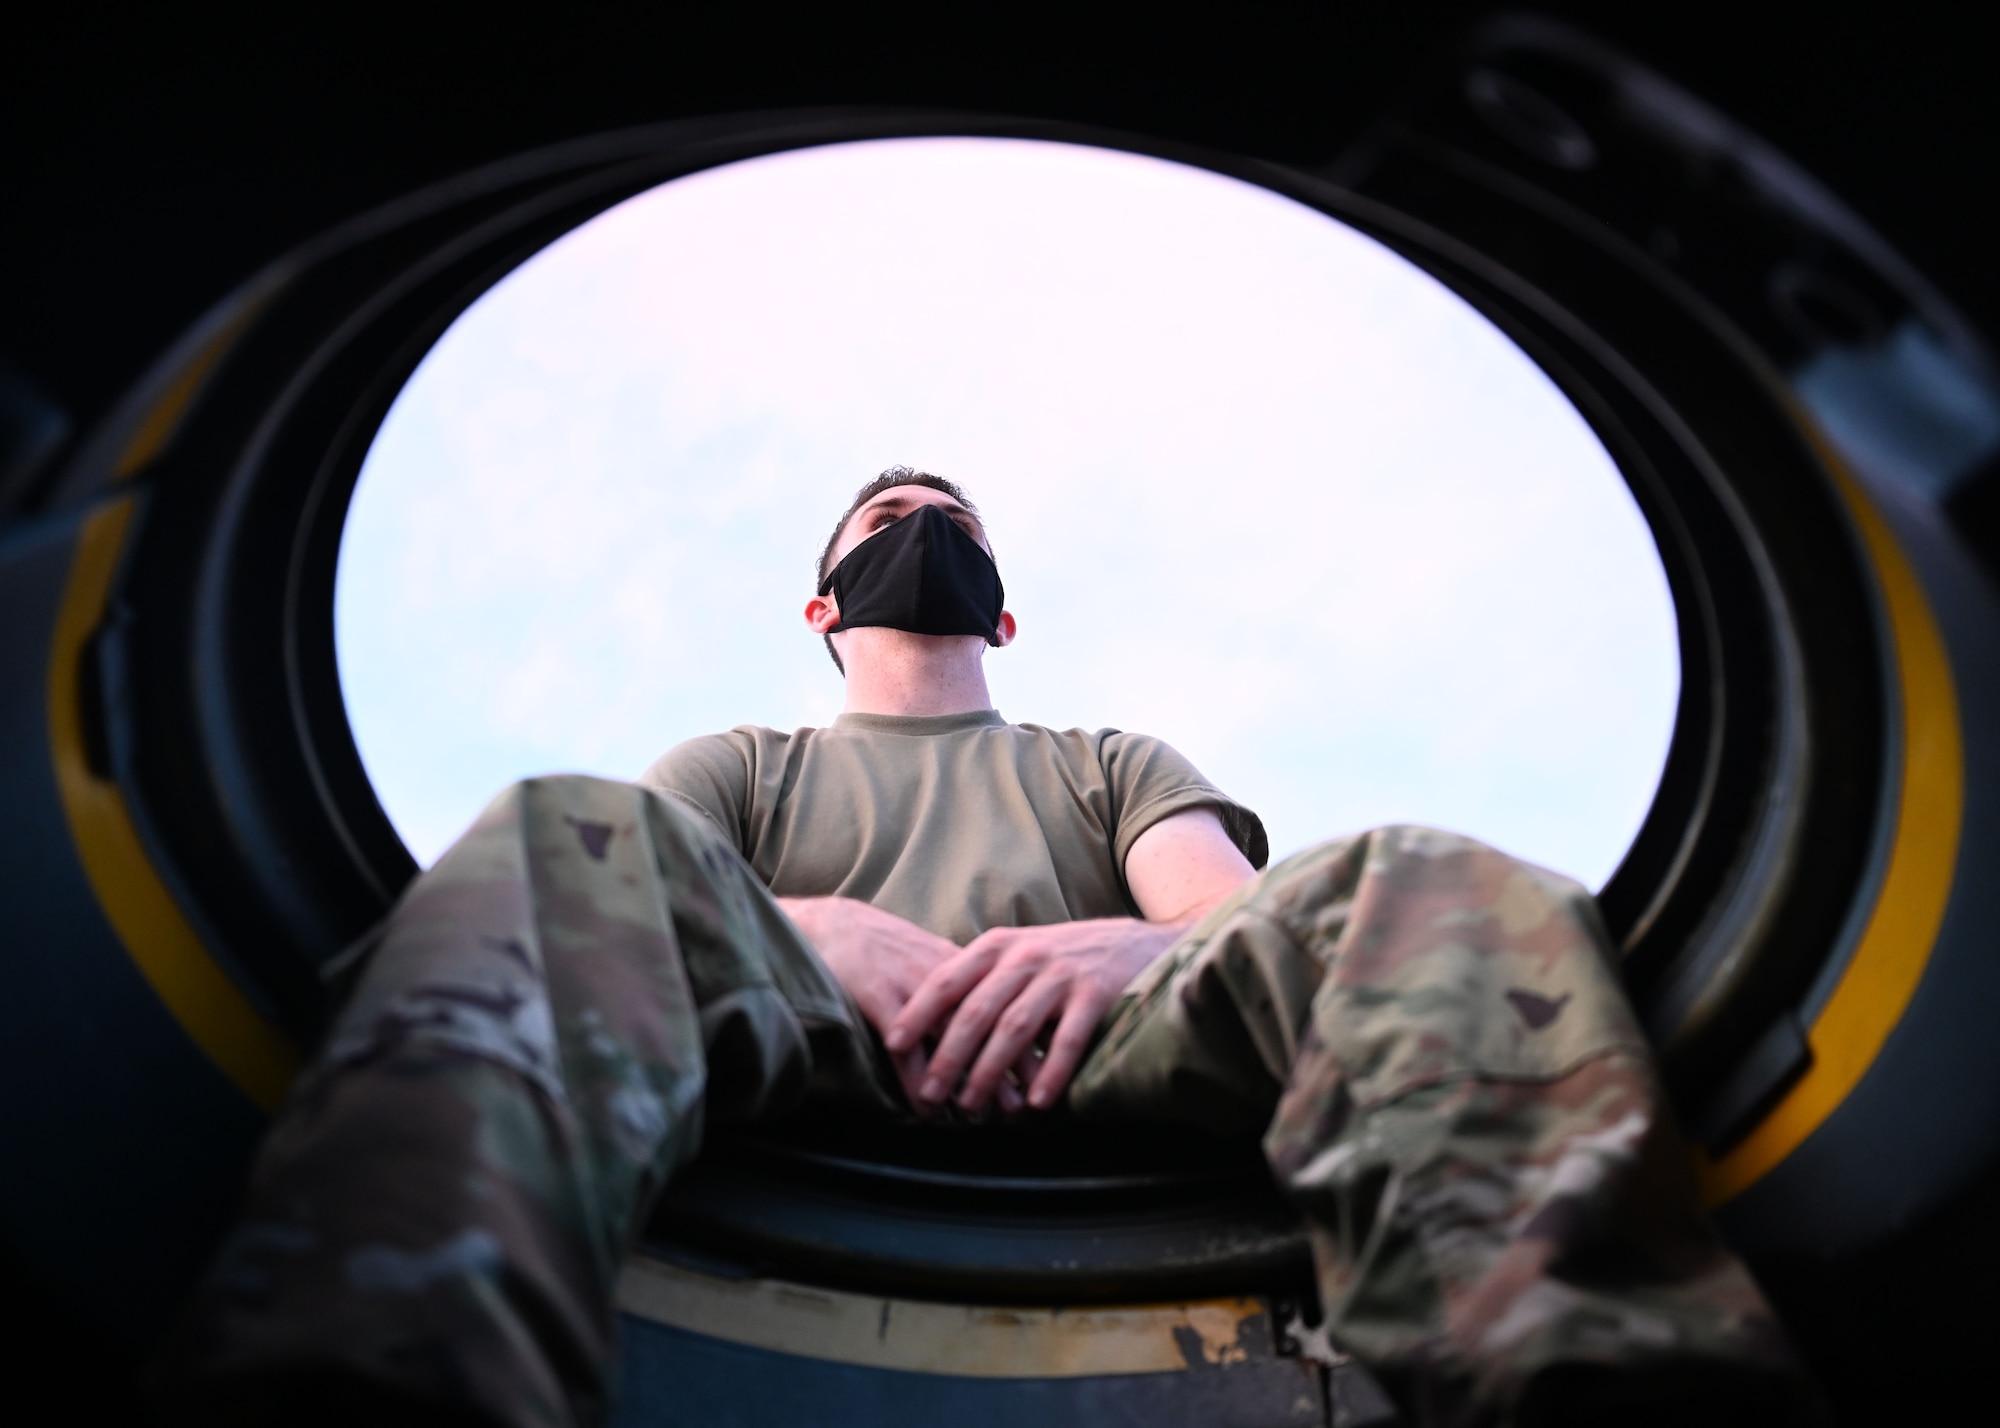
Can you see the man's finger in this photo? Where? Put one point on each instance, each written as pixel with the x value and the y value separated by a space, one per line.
pixel 1066 1048
pixel 911 1068
pixel 965 1034
pixel 1014 1032
pixel 1028 1067
pixel 938 993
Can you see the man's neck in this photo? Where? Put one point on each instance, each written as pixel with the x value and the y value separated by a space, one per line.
pixel 894 672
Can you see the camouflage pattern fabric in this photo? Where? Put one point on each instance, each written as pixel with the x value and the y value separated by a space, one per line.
pixel 442 1207
pixel 1428 1033
pixel 1453 1088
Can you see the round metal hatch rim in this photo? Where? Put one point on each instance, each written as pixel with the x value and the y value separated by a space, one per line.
pixel 156 933
pixel 962 1340
pixel 168 395
pixel 1902 927
pixel 190 367
pixel 955 1180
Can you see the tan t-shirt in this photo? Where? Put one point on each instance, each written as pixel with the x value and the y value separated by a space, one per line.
pixel 958 822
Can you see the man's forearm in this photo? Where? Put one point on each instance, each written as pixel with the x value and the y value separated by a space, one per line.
pixel 816 917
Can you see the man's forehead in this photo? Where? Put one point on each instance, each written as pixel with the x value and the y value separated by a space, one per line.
pixel 904 497
pixel 898 500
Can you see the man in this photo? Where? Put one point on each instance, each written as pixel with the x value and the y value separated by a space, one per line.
pixel 948 867
pixel 925 909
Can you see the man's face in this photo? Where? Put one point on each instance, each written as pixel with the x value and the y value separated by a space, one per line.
pixel 891 506
pixel 876 516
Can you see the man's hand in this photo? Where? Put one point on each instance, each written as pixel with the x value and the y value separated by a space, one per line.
pixel 881 960
pixel 991 1005
pixel 1004 991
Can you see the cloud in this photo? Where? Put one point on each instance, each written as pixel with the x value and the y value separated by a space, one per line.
pixel 1257 485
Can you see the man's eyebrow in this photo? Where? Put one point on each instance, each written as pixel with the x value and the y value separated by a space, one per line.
pixel 899 504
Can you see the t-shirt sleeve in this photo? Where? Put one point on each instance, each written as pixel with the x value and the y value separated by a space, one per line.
pixel 711 775
pixel 1150 780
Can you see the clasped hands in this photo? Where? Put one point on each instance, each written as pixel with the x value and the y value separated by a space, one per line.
pixel 1004 1020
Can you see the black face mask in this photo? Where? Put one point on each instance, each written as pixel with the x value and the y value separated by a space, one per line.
pixel 924 575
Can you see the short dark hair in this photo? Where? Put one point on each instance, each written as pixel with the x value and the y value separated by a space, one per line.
pixel 894 476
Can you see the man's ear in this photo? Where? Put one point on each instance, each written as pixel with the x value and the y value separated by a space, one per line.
pixel 822 613
pixel 1006 629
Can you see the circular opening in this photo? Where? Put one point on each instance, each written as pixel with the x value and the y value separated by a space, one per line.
pixel 1256 484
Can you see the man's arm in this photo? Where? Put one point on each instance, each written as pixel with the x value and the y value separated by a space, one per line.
pixel 990 1004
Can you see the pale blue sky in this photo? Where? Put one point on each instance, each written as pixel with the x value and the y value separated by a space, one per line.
pixel 1256 484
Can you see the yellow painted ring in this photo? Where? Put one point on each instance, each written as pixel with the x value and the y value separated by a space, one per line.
pixel 150 923
pixel 1895 944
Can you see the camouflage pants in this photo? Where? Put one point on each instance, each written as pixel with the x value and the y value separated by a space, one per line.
pixel 1454 1091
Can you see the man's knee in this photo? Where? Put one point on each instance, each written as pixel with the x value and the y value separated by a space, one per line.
pixel 598 819
pixel 1415 848
pixel 1407 875
pixel 578 805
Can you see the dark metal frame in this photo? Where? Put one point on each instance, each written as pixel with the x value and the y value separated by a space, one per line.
pixel 218 704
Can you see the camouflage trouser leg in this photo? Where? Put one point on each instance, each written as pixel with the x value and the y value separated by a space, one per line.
pixel 444 1204
pixel 1454 1089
